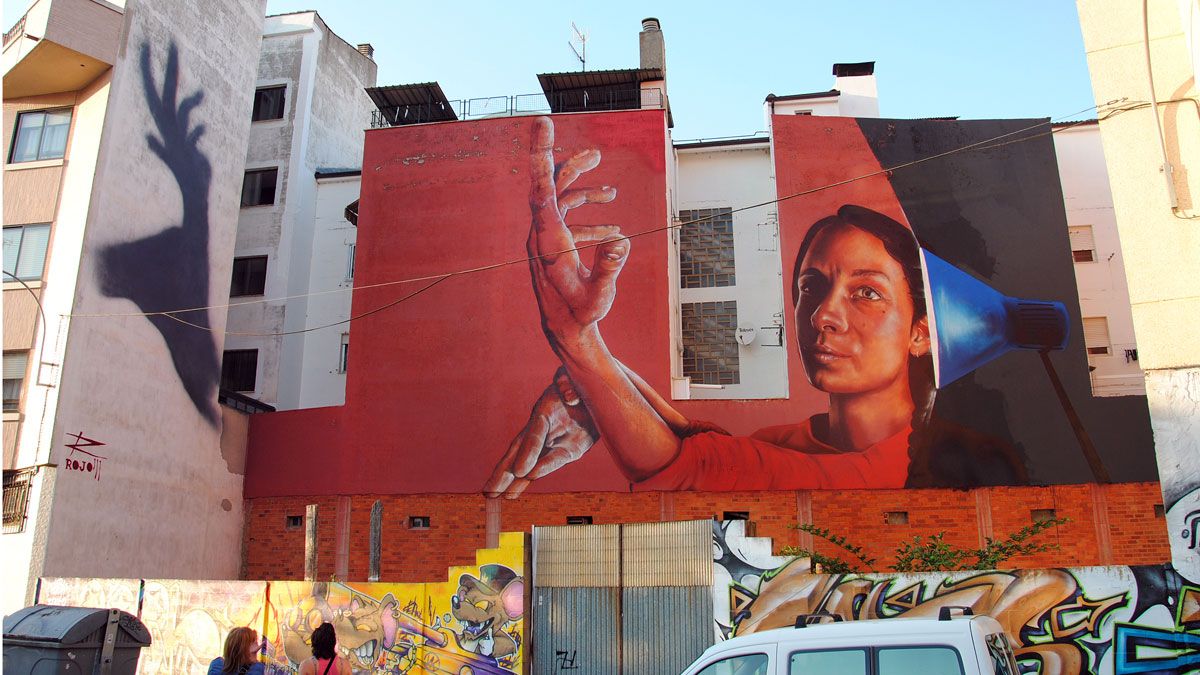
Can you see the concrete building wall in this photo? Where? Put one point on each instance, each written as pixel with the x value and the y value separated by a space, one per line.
pixel 323 383
pixel 733 177
pixel 1160 237
pixel 325 114
pixel 28 434
pixel 148 228
pixel 1103 292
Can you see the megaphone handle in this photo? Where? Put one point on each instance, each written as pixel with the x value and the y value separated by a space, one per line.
pixel 1081 434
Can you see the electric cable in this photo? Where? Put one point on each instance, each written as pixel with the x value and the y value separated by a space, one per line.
pixel 438 278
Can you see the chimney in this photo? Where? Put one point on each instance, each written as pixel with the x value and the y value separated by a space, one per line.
pixel 856 82
pixel 367 50
pixel 650 41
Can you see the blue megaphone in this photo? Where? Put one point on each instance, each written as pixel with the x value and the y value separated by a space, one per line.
pixel 970 323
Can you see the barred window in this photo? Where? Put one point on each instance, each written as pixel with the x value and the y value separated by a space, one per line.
pixel 710 349
pixel 16 499
pixel 706 248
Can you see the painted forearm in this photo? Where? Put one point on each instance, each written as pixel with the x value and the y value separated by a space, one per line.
pixel 641 442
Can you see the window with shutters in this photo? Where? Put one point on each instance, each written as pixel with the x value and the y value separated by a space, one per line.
pixel 268 103
pixel 258 187
pixel 1095 335
pixel 239 369
pixel 25 251
pixel 249 276
pixel 1083 243
pixel 14 379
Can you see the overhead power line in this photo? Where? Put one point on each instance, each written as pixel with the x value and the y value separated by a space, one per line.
pixel 436 279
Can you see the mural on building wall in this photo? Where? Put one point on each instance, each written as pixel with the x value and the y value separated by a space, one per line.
pixel 473 623
pixel 169 270
pixel 1061 621
pixel 930 319
pixel 884 328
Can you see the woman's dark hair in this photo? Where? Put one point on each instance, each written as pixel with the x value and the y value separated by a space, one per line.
pixel 901 244
pixel 897 240
pixel 324 641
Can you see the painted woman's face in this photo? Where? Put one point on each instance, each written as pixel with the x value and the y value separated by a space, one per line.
pixel 855 314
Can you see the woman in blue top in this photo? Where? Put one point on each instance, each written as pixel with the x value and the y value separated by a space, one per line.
pixel 240 655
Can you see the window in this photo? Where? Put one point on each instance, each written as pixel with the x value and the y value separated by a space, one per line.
pixel 239 369
pixel 710 349
pixel 746 664
pixel 25 251
pixel 918 661
pixel 804 112
pixel 249 276
pixel 841 661
pixel 258 187
pixel 579 520
pixel 1083 244
pixel 1095 335
pixel 895 517
pixel 735 515
pixel 1159 511
pixel 344 353
pixel 14 378
pixel 706 248
pixel 40 135
pixel 295 522
pixel 1000 651
pixel 419 522
pixel 16 499
pixel 268 103
pixel 350 262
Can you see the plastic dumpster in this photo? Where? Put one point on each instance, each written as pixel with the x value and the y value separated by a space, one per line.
pixel 46 639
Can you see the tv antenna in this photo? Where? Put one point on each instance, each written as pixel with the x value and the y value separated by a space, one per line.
pixel 580 37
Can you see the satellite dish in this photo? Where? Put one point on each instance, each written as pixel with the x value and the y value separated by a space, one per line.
pixel 746 333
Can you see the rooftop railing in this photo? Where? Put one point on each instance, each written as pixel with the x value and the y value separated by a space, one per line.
pixel 574 100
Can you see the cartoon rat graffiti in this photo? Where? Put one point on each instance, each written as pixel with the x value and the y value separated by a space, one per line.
pixel 485 606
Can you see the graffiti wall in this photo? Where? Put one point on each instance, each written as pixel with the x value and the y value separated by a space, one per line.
pixel 931 319
pixel 473 622
pixel 1062 621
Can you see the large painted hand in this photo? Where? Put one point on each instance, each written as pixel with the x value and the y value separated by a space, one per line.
pixel 571 295
pixel 560 430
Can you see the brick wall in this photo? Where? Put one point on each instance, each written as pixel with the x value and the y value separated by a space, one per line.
pixel 458 523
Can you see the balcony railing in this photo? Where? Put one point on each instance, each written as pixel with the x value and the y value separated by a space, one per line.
pixel 574 100
pixel 16 499
pixel 15 31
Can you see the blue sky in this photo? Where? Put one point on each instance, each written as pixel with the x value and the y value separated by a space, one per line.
pixel 1021 58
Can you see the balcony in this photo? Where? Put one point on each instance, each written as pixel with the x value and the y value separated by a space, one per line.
pixel 60 46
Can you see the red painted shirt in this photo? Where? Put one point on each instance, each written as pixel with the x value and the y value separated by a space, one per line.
pixel 785 457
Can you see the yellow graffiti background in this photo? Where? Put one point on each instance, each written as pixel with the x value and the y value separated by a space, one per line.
pixel 382 627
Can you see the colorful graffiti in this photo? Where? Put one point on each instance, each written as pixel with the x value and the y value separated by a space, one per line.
pixel 1062 621
pixel 471 624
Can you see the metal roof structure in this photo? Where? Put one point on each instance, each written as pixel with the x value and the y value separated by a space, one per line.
pixel 412 103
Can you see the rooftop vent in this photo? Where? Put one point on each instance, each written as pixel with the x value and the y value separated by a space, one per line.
pixel 366 50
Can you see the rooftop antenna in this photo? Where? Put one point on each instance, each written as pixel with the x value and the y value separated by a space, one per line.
pixel 581 53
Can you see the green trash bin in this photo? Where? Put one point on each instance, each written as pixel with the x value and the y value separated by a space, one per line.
pixel 48 639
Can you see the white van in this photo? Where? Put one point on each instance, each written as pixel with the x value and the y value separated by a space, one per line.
pixel 948 645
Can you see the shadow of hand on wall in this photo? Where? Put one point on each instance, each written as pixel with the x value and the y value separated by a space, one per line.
pixel 169 270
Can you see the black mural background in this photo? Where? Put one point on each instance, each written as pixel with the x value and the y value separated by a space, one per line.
pixel 170 270
pixel 997 212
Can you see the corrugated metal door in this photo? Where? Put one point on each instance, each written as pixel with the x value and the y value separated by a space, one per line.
pixel 576 631
pixel 664 628
pixel 631 599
